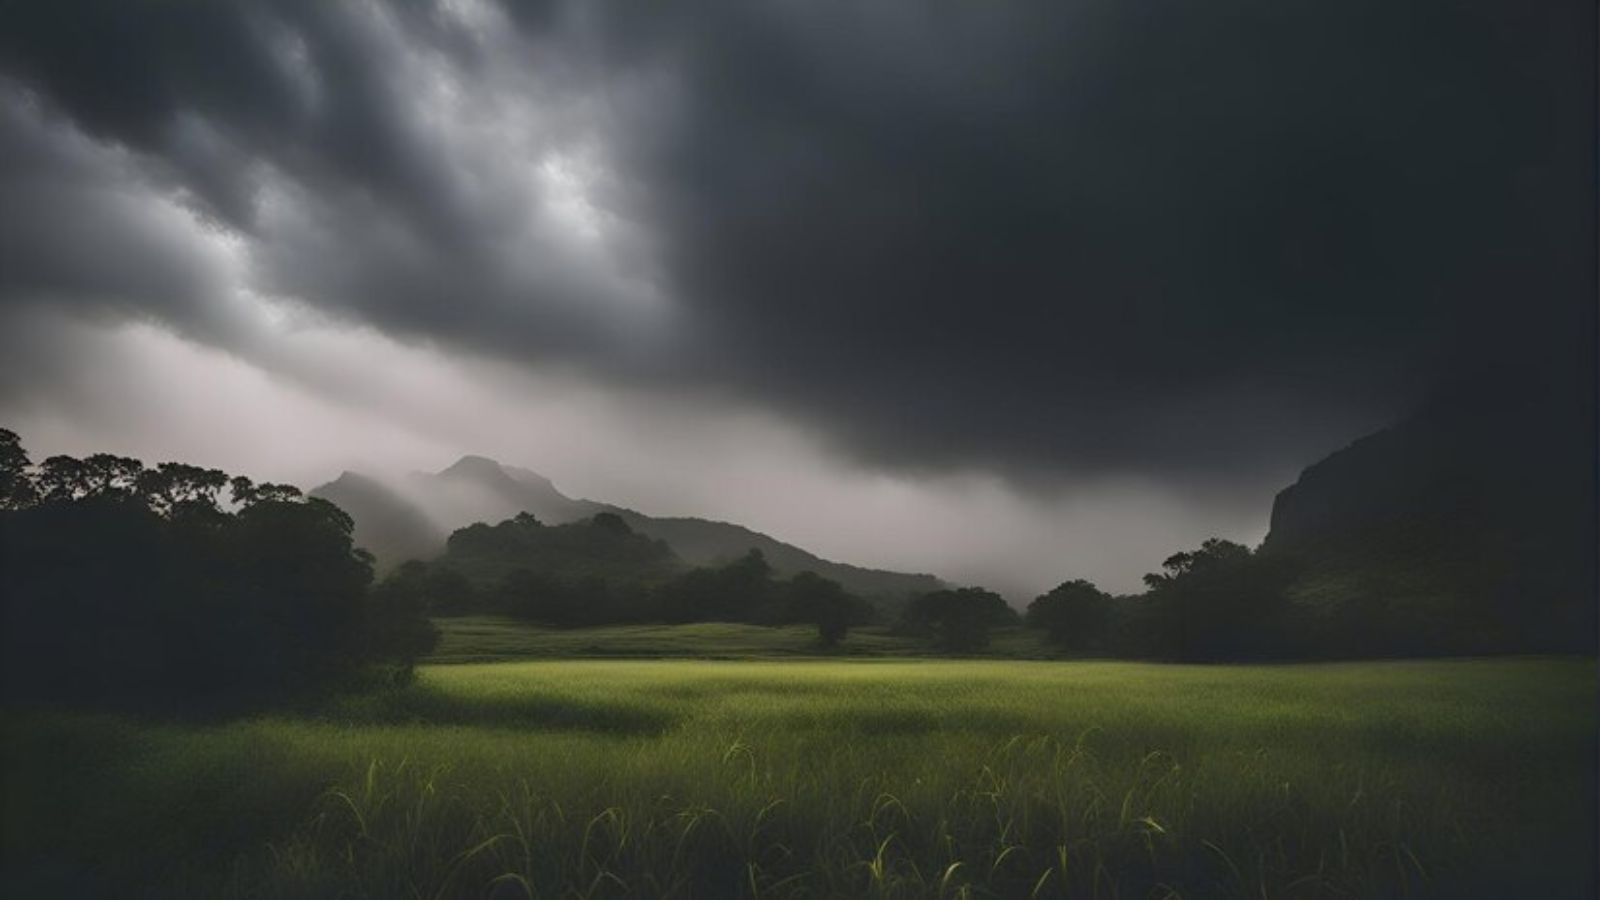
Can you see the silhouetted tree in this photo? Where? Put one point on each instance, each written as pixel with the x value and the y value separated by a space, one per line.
pixel 61 479
pixel 750 573
pixel 399 627
pixel 130 586
pixel 1219 602
pixel 959 619
pixel 17 489
pixel 610 522
pixel 436 589
pixel 1074 615
pixel 602 546
pixel 107 475
pixel 244 492
pixel 182 489
pixel 822 602
pixel 737 592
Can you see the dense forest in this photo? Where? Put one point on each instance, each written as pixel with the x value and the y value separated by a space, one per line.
pixel 600 571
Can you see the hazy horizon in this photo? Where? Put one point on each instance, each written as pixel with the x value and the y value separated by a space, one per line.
pixel 829 522
pixel 1010 294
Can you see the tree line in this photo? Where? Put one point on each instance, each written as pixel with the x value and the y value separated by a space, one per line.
pixel 122 580
pixel 1221 601
pixel 600 571
pixel 1226 602
pixel 181 588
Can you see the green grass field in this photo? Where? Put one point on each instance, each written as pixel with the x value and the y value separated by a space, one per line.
pixel 835 778
pixel 487 638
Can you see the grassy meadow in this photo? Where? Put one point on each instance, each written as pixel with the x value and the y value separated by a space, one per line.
pixel 483 638
pixel 834 778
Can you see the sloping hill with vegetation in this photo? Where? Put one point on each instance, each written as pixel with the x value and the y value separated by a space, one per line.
pixel 602 547
pixel 1468 527
pixel 704 542
pixel 413 519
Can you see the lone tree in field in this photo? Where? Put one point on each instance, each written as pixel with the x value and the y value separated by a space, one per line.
pixel 959 619
pixel 824 602
pixel 1073 615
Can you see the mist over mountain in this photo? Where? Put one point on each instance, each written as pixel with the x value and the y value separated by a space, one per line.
pixel 390 526
pixel 411 517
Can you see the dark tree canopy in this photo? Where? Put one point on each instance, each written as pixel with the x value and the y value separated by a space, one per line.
pixel 603 546
pixel 823 601
pixel 127 585
pixel 741 591
pixel 1219 602
pixel 16 488
pixel 959 619
pixel 600 571
pixel 1074 615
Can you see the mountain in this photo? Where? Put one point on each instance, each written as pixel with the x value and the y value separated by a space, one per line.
pixel 1469 526
pixel 704 542
pixel 392 527
pixel 412 518
pixel 478 489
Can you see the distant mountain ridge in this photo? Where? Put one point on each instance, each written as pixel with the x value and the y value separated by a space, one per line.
pixel 412 519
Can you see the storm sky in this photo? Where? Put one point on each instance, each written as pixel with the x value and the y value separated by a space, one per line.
pixel 1007 292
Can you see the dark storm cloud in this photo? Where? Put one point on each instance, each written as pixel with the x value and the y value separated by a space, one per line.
pixel 291 84
pixel 1126 233
pixel 73 236
pixel 320 135
pixel 1042 238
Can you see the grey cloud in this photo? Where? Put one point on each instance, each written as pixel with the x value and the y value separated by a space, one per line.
pixel 1160 236
pixel 341 144
pixel 76 233
pixel 1052 240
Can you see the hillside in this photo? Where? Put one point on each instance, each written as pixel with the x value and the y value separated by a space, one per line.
pixel 599 548
pixel 703 542
pixel 478 489
pixel 1470 524
pixel 413 519
pixel 392 527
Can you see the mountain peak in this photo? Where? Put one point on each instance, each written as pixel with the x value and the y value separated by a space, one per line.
pixel 480 489
pixel 528 476
pixel 349 478
pixel 475 467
